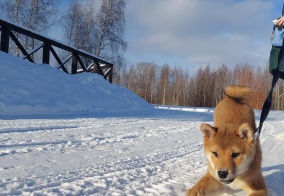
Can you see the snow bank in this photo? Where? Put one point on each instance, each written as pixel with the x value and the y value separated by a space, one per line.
pixel 30 89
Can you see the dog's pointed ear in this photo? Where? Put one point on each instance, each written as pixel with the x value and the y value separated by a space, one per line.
pixel 246 132
pixel 207 131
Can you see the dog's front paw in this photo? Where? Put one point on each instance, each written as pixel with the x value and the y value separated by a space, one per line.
pixel 195 191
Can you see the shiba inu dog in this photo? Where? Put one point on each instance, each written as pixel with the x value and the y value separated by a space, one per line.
pixel 232 151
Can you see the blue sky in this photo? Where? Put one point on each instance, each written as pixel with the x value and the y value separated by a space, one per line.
pixel 194 33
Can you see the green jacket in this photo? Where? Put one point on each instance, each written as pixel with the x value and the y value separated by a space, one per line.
pixel 276 55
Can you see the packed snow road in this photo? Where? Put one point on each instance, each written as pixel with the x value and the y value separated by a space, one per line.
pixel 157 153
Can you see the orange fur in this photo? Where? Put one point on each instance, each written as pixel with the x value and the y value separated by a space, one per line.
pixel 234 157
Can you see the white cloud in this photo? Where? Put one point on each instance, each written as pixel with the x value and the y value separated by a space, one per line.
pixel 198 32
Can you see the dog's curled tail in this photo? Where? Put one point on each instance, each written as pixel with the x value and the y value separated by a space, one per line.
pixel 238 93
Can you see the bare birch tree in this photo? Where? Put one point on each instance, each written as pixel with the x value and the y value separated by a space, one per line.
pixel 111 26
pixel 163 84
pixel 11 10
pixel 37 15
pixel 79 26
pixel 98 27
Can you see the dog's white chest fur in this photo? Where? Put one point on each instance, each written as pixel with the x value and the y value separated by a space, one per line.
pixel 236 184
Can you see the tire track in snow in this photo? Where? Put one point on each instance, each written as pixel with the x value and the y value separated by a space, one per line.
pixel 29 139
pixel 33 129
pixel 145 174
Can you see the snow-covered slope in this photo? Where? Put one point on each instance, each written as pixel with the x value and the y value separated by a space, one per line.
pixel 29 89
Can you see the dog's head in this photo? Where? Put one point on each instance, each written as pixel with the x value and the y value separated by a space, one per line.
pixel 229 149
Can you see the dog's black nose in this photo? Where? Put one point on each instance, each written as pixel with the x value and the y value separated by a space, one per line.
pixel 223 174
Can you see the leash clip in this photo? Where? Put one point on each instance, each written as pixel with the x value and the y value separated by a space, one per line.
pixel 256 135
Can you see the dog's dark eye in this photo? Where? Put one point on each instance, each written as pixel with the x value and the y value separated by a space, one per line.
pixel 235 155
pixel 215 154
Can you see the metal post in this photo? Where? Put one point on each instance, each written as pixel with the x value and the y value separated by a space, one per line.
pixel 5 39
pixel 74 64
pixel 46 53
pixel 110 75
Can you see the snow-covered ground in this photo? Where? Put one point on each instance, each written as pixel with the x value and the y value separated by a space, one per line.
pixel 79 135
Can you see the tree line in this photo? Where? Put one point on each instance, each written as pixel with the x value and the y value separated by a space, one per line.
pixel 169 85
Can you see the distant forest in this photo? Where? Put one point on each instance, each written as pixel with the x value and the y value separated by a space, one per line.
pixel 169 85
